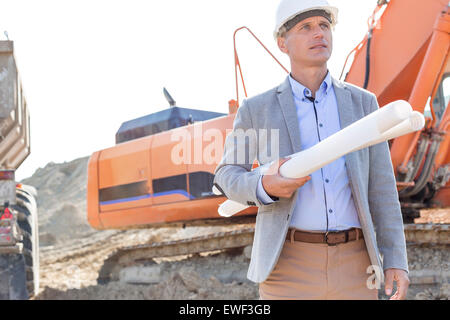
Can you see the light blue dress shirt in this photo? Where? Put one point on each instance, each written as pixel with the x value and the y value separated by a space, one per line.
pixel 325 202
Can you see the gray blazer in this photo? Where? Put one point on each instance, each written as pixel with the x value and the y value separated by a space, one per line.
pixel 369 170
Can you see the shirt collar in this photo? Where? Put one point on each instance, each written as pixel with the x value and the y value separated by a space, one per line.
pixel 300 91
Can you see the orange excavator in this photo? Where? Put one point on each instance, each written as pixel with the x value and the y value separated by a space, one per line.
pixel 135 184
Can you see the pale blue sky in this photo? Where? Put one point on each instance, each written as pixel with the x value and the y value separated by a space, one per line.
pixel 88 66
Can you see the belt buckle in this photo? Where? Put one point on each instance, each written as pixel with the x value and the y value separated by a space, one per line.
pixel 335 243
pixel 326 240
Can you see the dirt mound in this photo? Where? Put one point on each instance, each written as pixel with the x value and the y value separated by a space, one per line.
pixel 61 200
pixel 438 215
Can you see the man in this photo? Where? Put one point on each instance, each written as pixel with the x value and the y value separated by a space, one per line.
pixel 315 236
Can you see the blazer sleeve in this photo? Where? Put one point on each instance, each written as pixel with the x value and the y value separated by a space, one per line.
pixel 233 175
pixel 385 206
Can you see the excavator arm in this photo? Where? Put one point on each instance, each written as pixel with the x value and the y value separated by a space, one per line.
pixel 405 56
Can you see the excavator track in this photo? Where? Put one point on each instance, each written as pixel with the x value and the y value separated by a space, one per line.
pixel 432 241
pixel 415 234
pixel 128 256
pixel 438 234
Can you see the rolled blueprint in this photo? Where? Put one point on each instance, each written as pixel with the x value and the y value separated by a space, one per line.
pixel 391 121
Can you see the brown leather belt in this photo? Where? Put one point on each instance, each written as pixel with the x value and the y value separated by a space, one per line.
pixel 331 238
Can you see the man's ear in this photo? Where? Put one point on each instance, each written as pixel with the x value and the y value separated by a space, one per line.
pixel 281 41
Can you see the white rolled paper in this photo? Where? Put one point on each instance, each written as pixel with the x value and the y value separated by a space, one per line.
pixel 391 121
pixel 415 122
pixel 216 191
pixel 230 207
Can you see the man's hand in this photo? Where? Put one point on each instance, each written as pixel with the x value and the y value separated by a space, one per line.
pixel 276 185
pixel 399 276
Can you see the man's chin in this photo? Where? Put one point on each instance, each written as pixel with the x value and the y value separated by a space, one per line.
pixel 317 62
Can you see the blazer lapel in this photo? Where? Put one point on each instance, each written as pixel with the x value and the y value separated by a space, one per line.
pixel 344 103
pixel 286 101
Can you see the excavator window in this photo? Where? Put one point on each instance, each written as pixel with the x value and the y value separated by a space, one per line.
pixel 200 184
pixel 170 185
pixel 124 192
pixel 442 97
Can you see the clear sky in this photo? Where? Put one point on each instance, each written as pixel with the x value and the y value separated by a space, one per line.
pixel 88 66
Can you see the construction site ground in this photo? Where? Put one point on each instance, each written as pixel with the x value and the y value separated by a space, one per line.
pixel 72 253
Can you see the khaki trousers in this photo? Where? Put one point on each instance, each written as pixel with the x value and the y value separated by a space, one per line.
pixel 319 271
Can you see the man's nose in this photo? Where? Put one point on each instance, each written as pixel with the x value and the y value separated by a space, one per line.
pixel 318 33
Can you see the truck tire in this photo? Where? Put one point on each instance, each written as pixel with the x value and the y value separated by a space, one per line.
pixel 13 277
pixel 19 273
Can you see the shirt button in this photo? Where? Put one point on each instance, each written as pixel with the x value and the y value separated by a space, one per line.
pixel 326 180
pixel 317 101
pixel 303 99
pixel 320 125
pixel 330 211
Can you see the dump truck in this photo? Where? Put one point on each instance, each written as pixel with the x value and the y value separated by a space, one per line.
pixel 137 184
pixel 19 236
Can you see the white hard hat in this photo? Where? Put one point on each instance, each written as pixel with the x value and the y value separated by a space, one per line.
pixel 288 9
